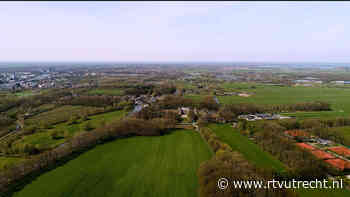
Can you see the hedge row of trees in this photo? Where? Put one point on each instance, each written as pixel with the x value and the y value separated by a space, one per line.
pixel 123 128
pixel 234 167
pixel 31 101
pixel 174 102
pixel 213 141
pixel 166 88
pixel 5 120
pixel 303 164
pixel 250 108
pixel 96 101
pixel 325 129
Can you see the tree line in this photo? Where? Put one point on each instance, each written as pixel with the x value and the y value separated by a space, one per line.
pixel 233 166
pixel 251 108
pixel 303 165
pixel 96 101
pixel 324 128
pixel 38 163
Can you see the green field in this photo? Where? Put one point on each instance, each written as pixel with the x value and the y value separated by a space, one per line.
pixel 249 150
pixel 43 140
pixel 111 92
pixel 61 114
pixel 269 95
pixel 338 98
pixel 137 166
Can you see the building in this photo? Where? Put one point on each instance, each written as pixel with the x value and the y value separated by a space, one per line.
pixel 340 150
pixel 340 164
pixel 183 112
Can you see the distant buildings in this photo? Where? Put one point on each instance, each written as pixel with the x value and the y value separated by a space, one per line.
pixel 341 82
pixel 266 116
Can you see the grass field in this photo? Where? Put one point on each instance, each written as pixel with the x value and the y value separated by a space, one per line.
pixel 43 140
pixel 111 92
pixel 137 166
pixel 269 95
pixel 60 114
pixel 249 150
pixel 337 97
pixel 317 114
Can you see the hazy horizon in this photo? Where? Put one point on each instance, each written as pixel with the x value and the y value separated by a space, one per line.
pixel 158 32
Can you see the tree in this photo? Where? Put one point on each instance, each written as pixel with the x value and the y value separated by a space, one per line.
pixel 226 114
pixel 88 126
pixel 209 103
pixel 192 116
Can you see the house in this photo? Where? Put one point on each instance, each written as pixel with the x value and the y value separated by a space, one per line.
pixel 340 164
pixel 305 146
pixel 183 111
pixel 324 142
pixel 244 95
pixel 249 117
pixel 340 150
pixel 322 155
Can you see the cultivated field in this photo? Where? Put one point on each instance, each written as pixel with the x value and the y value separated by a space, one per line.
pixel 137 166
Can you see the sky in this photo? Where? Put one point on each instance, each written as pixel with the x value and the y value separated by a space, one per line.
pixel 175 31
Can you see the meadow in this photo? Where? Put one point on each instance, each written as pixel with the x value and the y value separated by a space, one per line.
pixel 269 95
pixel 247 148
pixel 43 140
pixel 137 166
pixel 60 114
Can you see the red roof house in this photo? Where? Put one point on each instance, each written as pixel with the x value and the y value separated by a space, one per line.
pixel 340 150
pixel 305 146
pixel 322 155
pixel 296 133
pixel 339 164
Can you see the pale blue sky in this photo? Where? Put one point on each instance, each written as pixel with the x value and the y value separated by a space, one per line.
pixel 175 31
